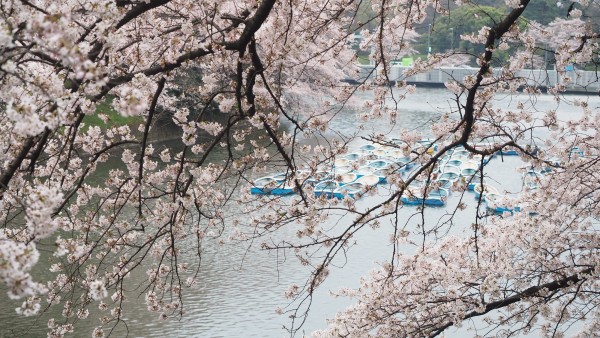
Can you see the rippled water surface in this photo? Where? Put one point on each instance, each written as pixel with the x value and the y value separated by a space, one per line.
pixel 240 288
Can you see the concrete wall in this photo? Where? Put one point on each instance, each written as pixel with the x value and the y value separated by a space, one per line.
pixel 580 81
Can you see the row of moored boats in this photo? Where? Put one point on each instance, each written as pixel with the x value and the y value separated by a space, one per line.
pixel 351 175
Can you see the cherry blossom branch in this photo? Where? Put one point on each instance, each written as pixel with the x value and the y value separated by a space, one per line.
pixel 87 170
pixel 584 40
pixel 493 34
pixel 159 89
pixel 534 291
pixel 140 9
pixel 200 52
pixel 251 26
pixel 38 150
pixel 15 164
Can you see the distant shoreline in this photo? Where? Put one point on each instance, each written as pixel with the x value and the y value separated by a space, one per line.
pixel 580 82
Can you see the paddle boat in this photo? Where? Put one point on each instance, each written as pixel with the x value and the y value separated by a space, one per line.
pixel 436 197
pixel 508 152
pixel 326 188
pixel 400 165
pixel 450 176
pixel 280 177
pixel 469 168
pixel 305 178
pixel 286 188
pixel 346 178
pixel 446 157
pixel 380 164
pixel 398 141
pixel 341 162
pixel 382 174
pixel 554 163
pixel 368 148
pixel 369 157
pixel 443 183
pixel 468 172
pixel 352 156
pixel 461 154
pixel 450 169
pixel 263 185
pixel 484 189
pixel 472 182
pixel 471 163
pixel 577 152
pixel 413 196
pixel 531 179
pixel 395 153
pixel 271 186
pixel 443 192
pixel 428 145
pixel 352 190
pixel 485 146
pixel 454 162
pixel 369 180
pixel 477 159
pixel 310 181
pixel 380 152
pixel 407 161
pixel 365 170
pixel 493 203
pixel 341 170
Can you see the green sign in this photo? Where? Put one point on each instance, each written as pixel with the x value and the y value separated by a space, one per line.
pixel 407 62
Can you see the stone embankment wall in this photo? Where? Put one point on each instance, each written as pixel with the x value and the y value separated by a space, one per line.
pixel 579 81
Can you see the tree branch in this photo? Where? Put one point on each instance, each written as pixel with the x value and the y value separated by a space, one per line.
pixel 495 33
pixel 14 165
pixel 530 292
pixel 161 85
pixel 138 10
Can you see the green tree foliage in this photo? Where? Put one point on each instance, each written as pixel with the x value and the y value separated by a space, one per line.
pixel 446 32
pixel 545 11
pixel 465 20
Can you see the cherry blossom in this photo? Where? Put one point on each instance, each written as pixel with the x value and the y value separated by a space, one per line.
pixel 255 88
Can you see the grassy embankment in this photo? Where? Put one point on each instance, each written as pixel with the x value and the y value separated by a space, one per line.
pixel 114 118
